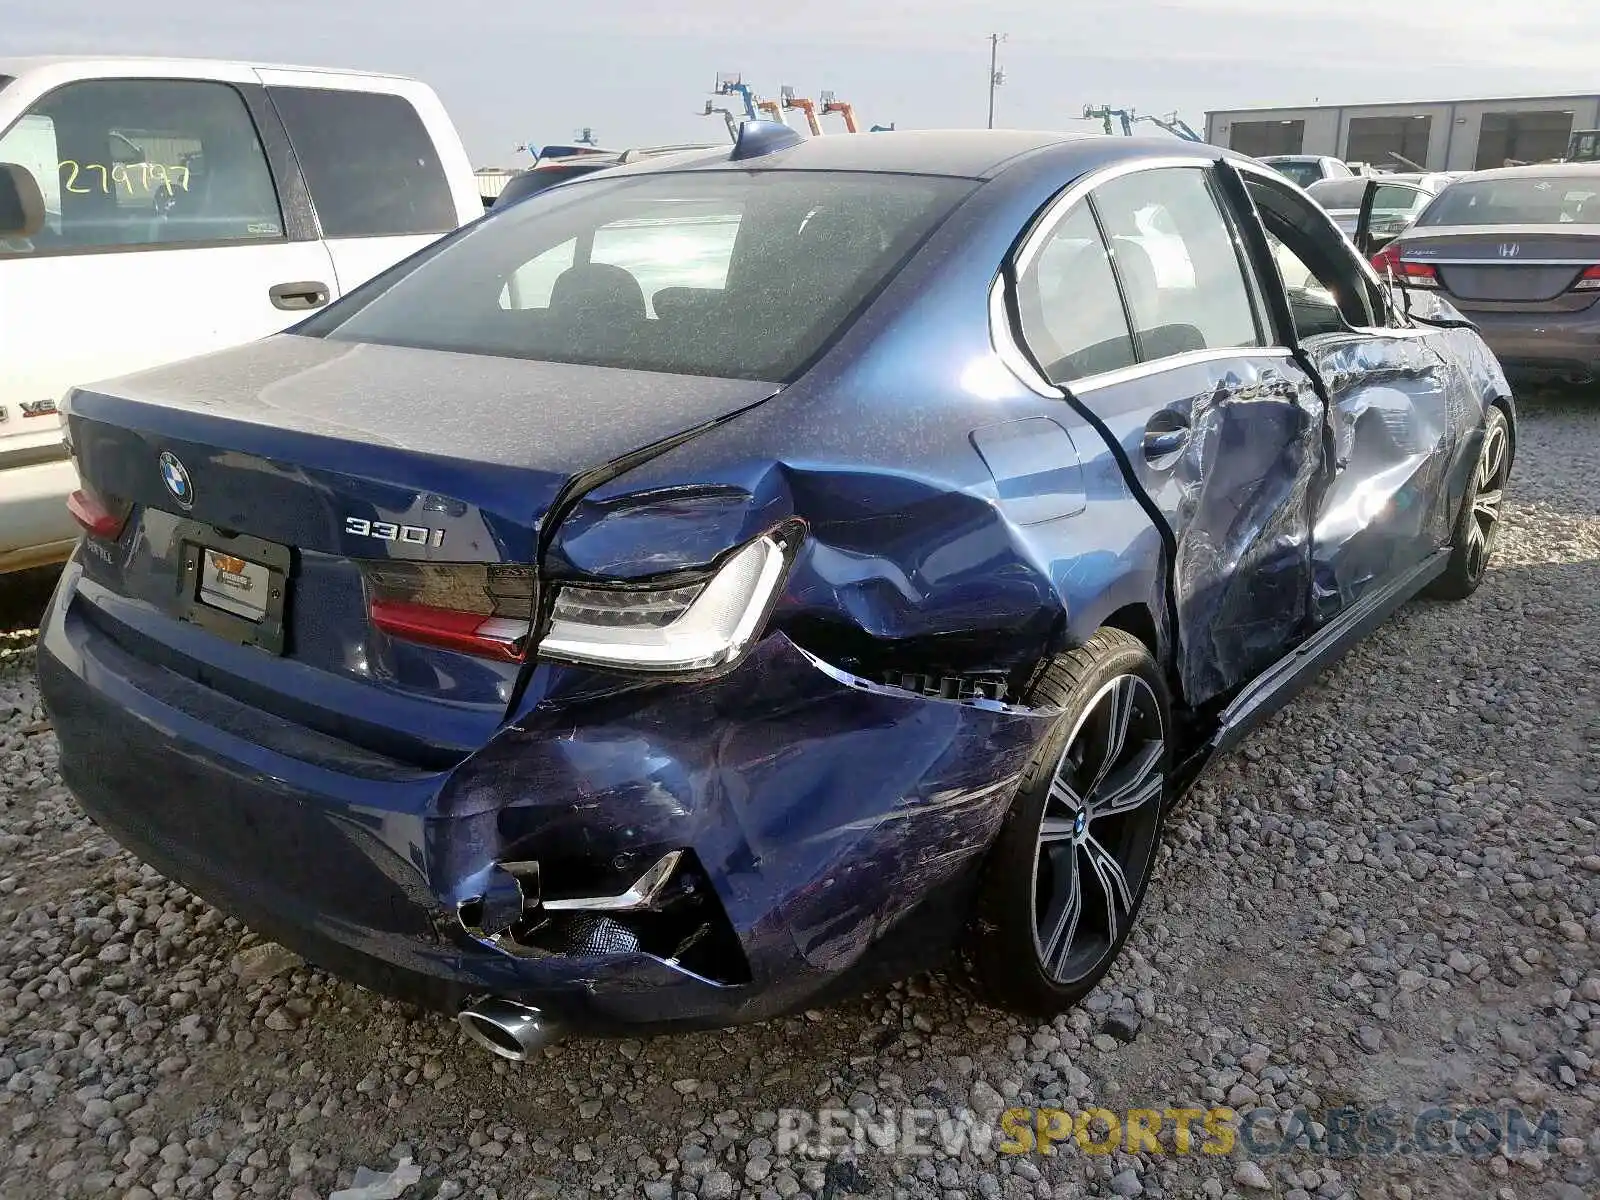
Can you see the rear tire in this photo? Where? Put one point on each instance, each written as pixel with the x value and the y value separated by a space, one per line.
pixel 1067 873
pixel 1478 524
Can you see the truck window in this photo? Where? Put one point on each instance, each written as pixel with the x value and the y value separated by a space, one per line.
pixel 144 162
pixel 371 166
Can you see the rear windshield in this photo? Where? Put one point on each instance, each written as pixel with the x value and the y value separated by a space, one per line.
pixel 1526 200
pixel 1303 173
pixel 4 79
pixel 726 273
pixel 1337 193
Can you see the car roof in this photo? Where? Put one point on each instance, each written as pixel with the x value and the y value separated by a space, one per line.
pixel 112 62
pixel 965 153
pixel 1536 170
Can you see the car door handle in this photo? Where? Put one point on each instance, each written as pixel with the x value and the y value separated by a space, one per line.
pixel 1165 436
pixel 296 297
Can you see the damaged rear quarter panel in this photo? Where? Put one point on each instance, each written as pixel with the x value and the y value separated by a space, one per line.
pixel 823 808
pixel 955 522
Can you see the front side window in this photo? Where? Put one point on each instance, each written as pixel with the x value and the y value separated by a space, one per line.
pixel 1395 200
pixel 739 274
pixel 1072 314
pixel 127 163
pixel 1177 260
pixel 372 168
pixel 1325 287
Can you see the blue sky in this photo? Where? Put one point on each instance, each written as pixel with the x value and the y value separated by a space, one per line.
pixel 639 72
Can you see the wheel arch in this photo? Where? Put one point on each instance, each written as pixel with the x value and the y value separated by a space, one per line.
pixel 1508 409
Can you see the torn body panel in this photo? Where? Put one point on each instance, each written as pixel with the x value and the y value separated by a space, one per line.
pixel 940 569
pixel 821 810
pixel 1228 449
pixel 1401 417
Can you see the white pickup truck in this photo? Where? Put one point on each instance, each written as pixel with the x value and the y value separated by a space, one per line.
pixel 153 209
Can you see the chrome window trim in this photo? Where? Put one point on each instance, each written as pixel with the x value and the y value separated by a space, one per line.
pixel 1006 347
pixel 1174 362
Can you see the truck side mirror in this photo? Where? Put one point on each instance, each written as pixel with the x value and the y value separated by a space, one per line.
pixel 21 202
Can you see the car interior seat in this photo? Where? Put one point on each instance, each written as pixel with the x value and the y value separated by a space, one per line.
pixel 1161 329
pixel 596 294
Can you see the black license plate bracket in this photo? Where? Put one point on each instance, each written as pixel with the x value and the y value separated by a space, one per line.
pixel 265 568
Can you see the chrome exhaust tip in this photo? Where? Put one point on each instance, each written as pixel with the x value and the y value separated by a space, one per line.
pixel 504 1027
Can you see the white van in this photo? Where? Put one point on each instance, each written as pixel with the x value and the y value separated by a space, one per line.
pixel 155 209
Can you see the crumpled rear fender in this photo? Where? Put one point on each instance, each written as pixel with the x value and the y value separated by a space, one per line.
pixel 823 808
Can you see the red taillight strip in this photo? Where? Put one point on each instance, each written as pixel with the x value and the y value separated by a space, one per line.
pixel 471 633
pixel 89 511
pixel 1589 281
pixel 1389 259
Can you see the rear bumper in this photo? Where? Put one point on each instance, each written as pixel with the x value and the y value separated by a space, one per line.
pixel 35 527
pixel 1543 345
pixel 830 818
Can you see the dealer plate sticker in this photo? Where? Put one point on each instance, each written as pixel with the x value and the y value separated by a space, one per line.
pixel 235 585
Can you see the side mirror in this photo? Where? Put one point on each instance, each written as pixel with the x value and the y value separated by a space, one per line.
pixel 1363 234
pixel 21 202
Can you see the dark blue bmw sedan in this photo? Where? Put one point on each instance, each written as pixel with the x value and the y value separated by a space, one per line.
pixel 715 585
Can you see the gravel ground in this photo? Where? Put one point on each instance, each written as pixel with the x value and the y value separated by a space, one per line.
pixel 1390 896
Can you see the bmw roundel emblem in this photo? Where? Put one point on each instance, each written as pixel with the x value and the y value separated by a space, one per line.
pixel 176 477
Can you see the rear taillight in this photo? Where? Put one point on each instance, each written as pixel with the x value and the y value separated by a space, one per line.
pixel 1589 281
pixel 102 517
pixel 1417 274
pixel 476 608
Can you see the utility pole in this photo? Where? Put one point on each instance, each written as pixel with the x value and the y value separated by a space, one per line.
pixel 996 76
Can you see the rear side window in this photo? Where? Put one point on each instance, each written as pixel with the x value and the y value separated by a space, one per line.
pixel 1178 263
pixel 1072 314
pixel 126 163
pixel 728 273
pixel 372 169
pixel 1338 193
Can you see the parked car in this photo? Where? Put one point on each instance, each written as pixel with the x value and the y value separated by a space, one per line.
pixel 180 206
pixel 830 564
pixel 1306 169
pixel 1397 202
pixel 559 164
pixel 1584 146
pixel 1518 251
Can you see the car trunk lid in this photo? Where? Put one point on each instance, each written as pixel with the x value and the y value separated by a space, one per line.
pixel 1524 268
pixel 293 509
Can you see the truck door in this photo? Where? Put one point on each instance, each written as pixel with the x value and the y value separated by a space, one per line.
pixel 165 237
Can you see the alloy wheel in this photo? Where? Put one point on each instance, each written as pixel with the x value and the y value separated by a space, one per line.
pixel 1488 493
pixel 1098 833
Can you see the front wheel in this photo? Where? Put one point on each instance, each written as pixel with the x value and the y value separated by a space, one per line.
pixel 1478 525
pixel 1068 870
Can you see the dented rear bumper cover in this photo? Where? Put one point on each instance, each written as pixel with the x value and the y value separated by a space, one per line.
pixel 819 811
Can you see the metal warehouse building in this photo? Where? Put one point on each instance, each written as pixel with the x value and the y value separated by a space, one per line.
pixel 1444 135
